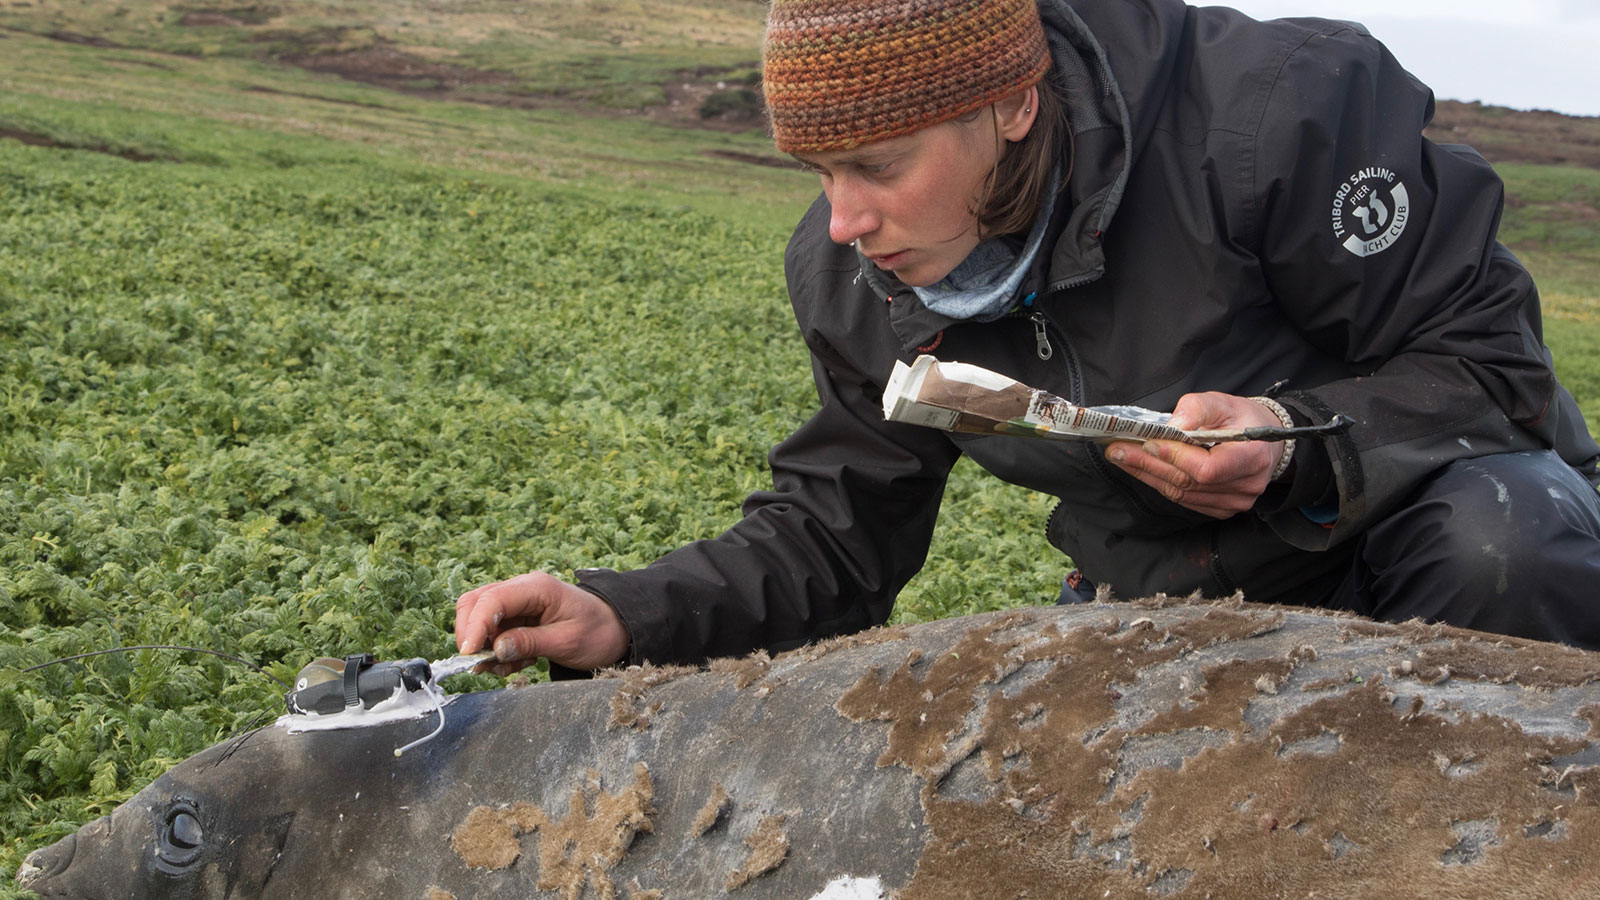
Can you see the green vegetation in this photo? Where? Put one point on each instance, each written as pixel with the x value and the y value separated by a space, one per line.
pixel 287 361
pixel 289 412
pixel 1552 221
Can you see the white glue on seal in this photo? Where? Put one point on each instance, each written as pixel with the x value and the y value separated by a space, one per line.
pixel 400 706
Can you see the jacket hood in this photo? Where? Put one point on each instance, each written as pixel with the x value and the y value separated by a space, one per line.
pixel 1102 144
pixel 1103 104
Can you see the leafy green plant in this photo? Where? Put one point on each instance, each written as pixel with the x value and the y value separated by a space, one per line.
pixel 283 415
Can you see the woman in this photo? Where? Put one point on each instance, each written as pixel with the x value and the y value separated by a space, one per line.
pixel 1131 201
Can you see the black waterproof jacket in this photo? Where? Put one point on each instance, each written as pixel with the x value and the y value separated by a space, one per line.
pixel 1249 203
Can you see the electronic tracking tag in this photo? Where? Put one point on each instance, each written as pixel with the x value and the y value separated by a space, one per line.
pixel 328 686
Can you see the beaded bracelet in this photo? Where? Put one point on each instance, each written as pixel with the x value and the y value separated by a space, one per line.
pixel 1288 446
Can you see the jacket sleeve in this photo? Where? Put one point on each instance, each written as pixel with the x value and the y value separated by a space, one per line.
pixel 1381 248
pixel 847 523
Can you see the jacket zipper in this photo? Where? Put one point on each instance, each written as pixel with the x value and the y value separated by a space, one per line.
pixel 1046 351
pixel 1042 347
pixel 1067 284
pixel 1041 338
pixel 1214 565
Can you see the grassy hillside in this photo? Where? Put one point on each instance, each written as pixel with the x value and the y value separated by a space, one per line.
pixel 1551 166
pixel 146 87
pixel 613 53
pixel 314 315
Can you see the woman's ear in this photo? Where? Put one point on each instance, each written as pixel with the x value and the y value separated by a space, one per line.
pixel 1015 114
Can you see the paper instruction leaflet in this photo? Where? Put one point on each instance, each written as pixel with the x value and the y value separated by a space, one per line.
pixel 960 397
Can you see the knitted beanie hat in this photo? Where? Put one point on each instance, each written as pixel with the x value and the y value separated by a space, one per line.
pixel 841 73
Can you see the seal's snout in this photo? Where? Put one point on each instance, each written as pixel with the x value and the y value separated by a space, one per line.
pixel 47 862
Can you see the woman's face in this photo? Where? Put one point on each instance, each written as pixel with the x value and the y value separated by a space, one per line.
pixel 907 203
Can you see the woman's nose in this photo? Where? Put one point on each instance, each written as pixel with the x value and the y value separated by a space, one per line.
pixel 852 216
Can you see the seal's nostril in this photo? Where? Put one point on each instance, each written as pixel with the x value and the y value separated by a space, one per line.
pixel 48 862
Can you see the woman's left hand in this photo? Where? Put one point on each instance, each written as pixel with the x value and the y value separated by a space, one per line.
pixel 1220 481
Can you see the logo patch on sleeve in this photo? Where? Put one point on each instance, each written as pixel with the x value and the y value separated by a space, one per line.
pixel 1370 211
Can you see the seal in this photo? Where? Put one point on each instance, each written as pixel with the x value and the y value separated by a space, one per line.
pixel 1148 749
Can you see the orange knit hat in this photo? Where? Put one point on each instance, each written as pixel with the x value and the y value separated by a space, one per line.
pixel 841 73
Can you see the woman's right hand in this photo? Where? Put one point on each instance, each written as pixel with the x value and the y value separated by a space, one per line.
pixel 536 615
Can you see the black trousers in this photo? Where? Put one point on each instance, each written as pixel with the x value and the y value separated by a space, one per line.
pixel 1507 543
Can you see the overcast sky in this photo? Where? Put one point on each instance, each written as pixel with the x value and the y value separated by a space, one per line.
pixel 1526 54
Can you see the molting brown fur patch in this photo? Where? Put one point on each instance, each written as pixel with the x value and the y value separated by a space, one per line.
pixel 1049 759
pixel 881 635
pixel 929 708
pixel 1331 682
pixel 1444 651
pixel 1087 663
pixel 1247 821
pixel 1414 631
pixel 594 835
pixel 580 849
pixel 1349 790
pixel 1027 737
pixel 488 838
pixel 1191 601
pixel 746 670
pixel 628 706
pixel 435 893
pixel 717 806
pixel 1591 714
pixel 768 848
pixel 1540 666
pixel 985 851
pixel 1220 702
pixel 1221 624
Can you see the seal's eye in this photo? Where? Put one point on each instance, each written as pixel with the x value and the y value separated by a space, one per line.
pixel 179 837
pixel 186 831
